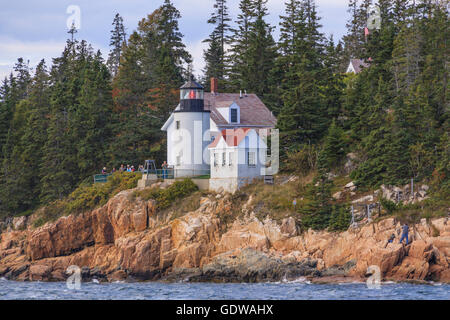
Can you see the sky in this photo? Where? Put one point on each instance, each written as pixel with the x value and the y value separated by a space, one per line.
pixel 38 29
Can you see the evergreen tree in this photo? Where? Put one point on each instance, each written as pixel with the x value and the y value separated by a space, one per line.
pixel 334 148
pixel 20 180
pixel 261 55
pixel 240 46
pixel 219 40
pixel 317 208
pixel 23 77
pixel 146 88
pixel 303 117
pixel 118 40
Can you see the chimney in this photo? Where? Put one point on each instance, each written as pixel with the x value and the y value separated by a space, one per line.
pixel 214 85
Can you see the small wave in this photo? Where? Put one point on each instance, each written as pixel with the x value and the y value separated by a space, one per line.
pixel 95 281
pixel 437 284
pixel 298 280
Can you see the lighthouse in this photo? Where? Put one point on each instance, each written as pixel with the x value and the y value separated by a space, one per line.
pixel 188 134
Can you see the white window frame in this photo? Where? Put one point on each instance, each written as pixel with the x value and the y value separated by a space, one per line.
pixel 230 158
pixel 177 125
pixel 215 156
pixel 252 163
pixel 224 159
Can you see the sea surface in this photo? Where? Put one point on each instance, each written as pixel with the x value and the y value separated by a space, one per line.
pixel 297 290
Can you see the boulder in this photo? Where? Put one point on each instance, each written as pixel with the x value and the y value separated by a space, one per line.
pixel 39 272
pixel 20 223
pixel 349 185
pixel 338 195
pixel 411 269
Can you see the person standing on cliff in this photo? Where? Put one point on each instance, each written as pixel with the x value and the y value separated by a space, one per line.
pixel 405 230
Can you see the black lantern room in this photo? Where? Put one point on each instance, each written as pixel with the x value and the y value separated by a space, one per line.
pixel 191 97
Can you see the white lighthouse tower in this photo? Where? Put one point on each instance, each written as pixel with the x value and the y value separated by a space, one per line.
pixel 188 134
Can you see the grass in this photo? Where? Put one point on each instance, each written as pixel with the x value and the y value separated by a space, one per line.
pixel 166 197
pixel 274 200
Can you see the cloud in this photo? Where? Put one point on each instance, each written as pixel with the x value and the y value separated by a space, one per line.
pixel 37 29
pixel 196 49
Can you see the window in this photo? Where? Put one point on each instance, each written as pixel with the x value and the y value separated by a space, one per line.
pixel 234 115
pixel 189 94
pixel 224 159
pixel 178 160
pixel 215 159
pixel 230 158
pixel 251 159
pixel 178 125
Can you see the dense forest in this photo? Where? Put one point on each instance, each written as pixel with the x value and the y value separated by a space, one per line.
pixel 63 121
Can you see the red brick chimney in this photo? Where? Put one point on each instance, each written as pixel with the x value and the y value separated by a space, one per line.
pixel 214 85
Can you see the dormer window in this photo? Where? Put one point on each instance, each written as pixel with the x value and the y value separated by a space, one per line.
pixel 234 115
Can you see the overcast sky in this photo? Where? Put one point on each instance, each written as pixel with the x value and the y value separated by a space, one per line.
pixel 37 29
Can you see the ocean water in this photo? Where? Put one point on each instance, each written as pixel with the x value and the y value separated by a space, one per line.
pixel 297 290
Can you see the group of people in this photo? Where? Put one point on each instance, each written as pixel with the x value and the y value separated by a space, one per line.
pixel 128 168
pixel 131 168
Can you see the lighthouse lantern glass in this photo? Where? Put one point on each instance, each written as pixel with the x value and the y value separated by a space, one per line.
pixel 190 94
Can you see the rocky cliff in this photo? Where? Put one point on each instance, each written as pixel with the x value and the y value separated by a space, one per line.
pixel 128 239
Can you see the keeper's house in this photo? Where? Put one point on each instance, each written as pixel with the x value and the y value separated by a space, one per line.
pixel 208 123
pixel 238 156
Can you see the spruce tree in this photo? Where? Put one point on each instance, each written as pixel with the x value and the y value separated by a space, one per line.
pixel 303 117
pixel 118 40
pixel 219 40
pixel 145 90
pixel 239 53
pixel 261 55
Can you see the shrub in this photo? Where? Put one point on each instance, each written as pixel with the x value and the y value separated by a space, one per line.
pixel 389 206
pixel 165 197
pixel 340 218
pixel 302 161
pixel 88 197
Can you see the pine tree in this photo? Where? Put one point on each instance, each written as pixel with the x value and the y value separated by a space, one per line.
pixel 303 117
pixel 317 208
pixel 93 118
pixel 240 46
pixel 145 90
pixel 261 55
pixel 118 40
pixel 20 180
pixel 289 52
pixel 334 148
pixel 7 104
pixel 23 77
pixel 219 40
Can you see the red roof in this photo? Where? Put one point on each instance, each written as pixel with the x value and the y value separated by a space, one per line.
pixel 232 137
